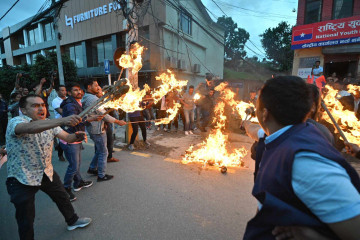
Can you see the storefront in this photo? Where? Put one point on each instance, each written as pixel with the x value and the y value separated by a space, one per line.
pixel 335 43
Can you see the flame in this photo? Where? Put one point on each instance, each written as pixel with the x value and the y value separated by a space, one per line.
pixel 129 102
pixel 132 60
pixel 214 150
pixel 227 95
pixel 347 120
pixel 171 114
pixel 169 83
pixel 197 96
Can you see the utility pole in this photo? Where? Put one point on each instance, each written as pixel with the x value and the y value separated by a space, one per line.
pixel 131 35
pixel 58 50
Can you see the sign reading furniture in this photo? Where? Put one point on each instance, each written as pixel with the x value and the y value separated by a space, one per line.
pixel 99 11
pixel 327 33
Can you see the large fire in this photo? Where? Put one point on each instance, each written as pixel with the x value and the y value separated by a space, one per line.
pixel 171 114
pixel 131 101
pixel 132 60
pixel 215 149
pixel 346 119
pixel 168 83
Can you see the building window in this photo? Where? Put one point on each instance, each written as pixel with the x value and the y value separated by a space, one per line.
pixel 185 21
pixel 101 49
pixel 33 36
pixel 20 39
pixel 75 53
pixel 2 47
pixel 33 57
pixel 342 8
pixel 313 11
pixel 49 33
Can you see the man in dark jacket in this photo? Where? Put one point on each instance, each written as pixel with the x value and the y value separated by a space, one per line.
pixel 72 105
pixel 302 180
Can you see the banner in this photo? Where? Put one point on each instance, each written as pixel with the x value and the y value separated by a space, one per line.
pixel 326 33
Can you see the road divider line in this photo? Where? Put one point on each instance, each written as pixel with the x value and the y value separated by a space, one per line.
pixel 172 160
pixel 141 154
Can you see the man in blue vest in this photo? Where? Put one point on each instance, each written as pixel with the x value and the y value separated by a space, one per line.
pixel 302 180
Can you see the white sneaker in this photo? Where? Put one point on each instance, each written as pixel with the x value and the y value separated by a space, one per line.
pixel 165 129
pixel 191 133
pixel 186 133
pixel 158 129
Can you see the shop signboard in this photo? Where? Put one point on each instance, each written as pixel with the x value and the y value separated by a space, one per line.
pixel 326 33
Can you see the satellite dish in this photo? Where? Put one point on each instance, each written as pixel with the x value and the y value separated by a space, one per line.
pixel 117 54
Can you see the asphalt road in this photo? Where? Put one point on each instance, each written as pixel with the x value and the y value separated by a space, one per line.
pixel 150 197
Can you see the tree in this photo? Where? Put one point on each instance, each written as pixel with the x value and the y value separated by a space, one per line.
pixel 8 76
pixel 45 65
pixel 277 44
pixel 235 38
pixel 42 67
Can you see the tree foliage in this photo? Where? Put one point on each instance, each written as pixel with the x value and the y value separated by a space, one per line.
pixel 277 44
pixel 45 65
pixel 42 67
pixel 235 38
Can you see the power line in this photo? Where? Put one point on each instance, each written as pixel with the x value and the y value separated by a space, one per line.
pixel 256 47
pixel 9 9
pixel 219 8
pixel 267 14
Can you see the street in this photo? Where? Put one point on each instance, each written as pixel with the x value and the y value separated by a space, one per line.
pixel 150 197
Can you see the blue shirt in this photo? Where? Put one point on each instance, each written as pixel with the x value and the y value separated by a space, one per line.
pixel 322 185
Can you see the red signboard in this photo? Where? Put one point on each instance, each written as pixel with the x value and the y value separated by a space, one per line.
pixel 327 33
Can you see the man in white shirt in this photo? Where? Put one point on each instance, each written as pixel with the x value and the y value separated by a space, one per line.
pixel 61 92
pixel 317 71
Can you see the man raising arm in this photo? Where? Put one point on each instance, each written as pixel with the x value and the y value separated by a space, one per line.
pixel 29 145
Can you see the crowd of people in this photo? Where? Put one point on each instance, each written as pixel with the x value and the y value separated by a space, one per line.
pixel 303 185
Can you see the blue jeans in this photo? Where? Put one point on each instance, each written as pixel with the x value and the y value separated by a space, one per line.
pixel 73 155
pixel 100 158
pixel 189 119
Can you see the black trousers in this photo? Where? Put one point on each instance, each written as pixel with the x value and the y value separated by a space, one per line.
pixel 23 198
pixel 58 148
pixel 110 139
pixel 136 129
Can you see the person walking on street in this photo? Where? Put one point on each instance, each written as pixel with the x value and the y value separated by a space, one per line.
pixel 61 92
pixel 72 106
pixel 29 143
pixel 109 133
pixel 189 105
pixel 97 133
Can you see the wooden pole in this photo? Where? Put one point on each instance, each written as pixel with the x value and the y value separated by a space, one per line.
pixel 333 120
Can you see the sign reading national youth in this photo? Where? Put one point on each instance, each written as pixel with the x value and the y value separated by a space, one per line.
pixel 327 33
pixel 92 13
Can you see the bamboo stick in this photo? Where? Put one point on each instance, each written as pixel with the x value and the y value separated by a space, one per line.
pixel 333 120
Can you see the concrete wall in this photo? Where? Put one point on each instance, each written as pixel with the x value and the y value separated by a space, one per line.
pixel 197 48
pixel 326 11
pixel 306 52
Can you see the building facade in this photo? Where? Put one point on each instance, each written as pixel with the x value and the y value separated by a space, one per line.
pixel 178 35
pixel 328 31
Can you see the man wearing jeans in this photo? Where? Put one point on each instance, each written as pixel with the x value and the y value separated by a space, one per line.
pixel 189 105
pixel 97 133
pixel 72 105
pixel 29 143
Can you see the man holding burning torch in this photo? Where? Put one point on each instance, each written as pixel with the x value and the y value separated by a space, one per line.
pixel 29 143
pixel 302 180
pixel 97 133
